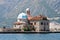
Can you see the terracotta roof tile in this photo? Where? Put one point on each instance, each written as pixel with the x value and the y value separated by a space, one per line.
pixel 18 23
pixel 38 18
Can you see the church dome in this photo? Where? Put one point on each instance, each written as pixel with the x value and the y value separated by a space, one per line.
pixel 22 16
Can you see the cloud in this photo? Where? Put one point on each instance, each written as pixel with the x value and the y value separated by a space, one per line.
pixel 54 18
pixel 2 2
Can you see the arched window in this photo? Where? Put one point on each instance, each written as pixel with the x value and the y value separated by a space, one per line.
pixel 47 23
pixel 41 23
pixel 31 23
pixel 34 23
pixel 44 23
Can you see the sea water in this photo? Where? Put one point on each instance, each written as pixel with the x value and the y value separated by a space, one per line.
pixel 51 36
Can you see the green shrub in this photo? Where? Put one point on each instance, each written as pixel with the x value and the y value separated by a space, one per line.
pixel 26 29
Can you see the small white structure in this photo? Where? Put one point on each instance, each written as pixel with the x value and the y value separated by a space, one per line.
pixel 54 26
pixel 21 21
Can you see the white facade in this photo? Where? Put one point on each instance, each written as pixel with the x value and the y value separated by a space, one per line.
pixel 44 25
pixel 41 25
pixel 18 26
pixel 22 20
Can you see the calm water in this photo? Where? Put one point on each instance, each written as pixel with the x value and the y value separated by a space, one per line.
pixel 53 36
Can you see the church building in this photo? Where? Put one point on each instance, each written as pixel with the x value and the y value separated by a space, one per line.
pixel 26 22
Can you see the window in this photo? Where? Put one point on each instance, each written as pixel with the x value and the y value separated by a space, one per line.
pixel 31 23
pixel 41 23
pixel 47 23
pixel 44 23
pixel 28 22
pixel 34 23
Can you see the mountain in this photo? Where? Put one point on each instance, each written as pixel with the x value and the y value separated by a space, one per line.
pixel 9 9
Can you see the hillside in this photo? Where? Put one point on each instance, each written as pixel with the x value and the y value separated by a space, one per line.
pixel 9 9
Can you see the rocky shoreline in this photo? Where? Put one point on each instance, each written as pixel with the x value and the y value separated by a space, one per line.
pixel 29 32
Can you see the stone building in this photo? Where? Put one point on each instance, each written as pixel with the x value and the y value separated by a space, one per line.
pixel 21 21
pixel 39 23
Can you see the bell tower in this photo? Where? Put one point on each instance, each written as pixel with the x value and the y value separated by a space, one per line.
pixel 28 12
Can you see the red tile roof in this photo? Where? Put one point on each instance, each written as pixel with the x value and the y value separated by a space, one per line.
pixel 40 17
pixel 18 23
